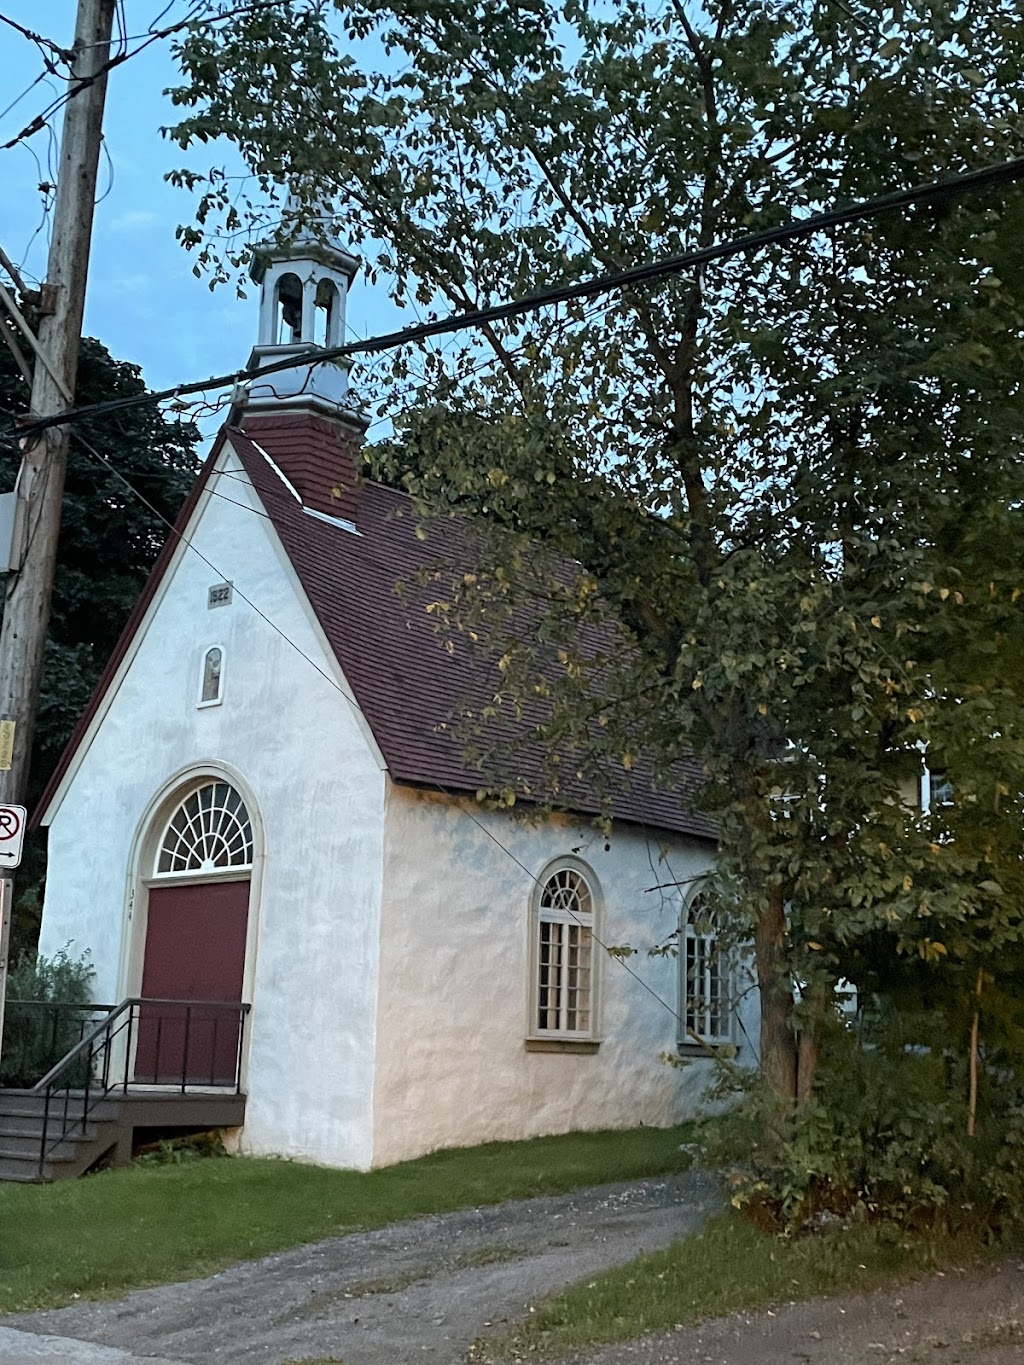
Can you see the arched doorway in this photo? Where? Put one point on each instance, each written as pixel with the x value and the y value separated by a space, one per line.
pixel 195 944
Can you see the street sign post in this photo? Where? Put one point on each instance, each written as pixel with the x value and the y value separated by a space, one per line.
pixel 12 836
pixel 6 902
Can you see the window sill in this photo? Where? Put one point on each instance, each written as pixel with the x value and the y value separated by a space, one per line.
pixel 562 1044
pixel 688 1049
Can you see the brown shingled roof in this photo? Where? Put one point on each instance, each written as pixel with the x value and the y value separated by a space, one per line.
pixel 408 687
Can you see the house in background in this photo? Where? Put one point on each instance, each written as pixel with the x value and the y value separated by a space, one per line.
pixel 265 805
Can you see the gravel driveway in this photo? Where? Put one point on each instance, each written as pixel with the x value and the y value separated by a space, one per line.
pixel 424 1290
pixel 418 1291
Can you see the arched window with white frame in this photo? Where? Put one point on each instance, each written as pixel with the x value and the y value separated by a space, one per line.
pixel 211 677
pixel 563 987
pixel 209 831
pixel 705 987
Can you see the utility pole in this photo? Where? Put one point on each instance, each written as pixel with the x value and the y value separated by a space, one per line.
pixel 40 487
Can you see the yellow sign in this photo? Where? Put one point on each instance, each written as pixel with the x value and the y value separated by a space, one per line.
pixel 6 745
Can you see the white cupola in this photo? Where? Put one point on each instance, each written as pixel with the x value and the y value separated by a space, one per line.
pixel 304 278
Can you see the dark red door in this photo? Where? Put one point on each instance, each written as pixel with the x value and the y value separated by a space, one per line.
pixel 195 950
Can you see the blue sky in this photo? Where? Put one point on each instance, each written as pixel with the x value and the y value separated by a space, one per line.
pixel 143 301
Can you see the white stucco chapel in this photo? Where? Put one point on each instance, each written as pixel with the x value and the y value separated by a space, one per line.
pixel 265 804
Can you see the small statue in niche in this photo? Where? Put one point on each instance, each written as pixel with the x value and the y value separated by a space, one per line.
pixel 212 667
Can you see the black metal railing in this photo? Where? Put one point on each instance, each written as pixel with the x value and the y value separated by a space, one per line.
pixel 40 1033
pixel 181 1045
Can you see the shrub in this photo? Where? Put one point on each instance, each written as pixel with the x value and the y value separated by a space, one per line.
pixel 44 1017
pixel 884 1136
pixel 178 1151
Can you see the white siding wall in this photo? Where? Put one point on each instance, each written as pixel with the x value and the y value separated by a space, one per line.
pixel 319 790
pixel 452 1067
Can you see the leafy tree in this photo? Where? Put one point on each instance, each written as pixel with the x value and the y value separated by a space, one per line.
pixel 781 473
pixel 108 543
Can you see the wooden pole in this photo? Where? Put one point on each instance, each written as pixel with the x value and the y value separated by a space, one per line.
pixel 6 902
pixel 40 485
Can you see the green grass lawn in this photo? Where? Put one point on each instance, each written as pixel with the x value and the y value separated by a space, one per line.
pixel 153 1224
pixel 727 1267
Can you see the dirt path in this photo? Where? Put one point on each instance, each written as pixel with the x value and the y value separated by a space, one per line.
pixel 418 1291
pixel 952 1319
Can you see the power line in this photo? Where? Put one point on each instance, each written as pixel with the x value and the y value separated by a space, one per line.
pixel 607 948
pixel 37 38
pixel 28 89
pixel 933 191
pixel 42 119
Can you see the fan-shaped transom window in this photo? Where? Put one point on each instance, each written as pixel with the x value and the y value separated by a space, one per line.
pixel 209 832
pixel 563 984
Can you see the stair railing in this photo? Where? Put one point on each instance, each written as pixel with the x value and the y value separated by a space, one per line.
pixel 188 1042
pixel 36 1032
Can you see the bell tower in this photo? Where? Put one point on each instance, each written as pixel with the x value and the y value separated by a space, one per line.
pixel 304 282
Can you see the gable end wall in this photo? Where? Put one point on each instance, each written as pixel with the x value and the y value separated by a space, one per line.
pixel 319 788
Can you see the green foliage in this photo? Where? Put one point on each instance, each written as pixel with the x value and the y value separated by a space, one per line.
pixel 884 1136
pixel 108 543
pixel 158 1224
pixel 181 1150
pixel 108 539
pixel 769 510
pixel 794 480
pixel 44 1015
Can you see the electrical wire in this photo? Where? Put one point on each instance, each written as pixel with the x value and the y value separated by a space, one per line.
pixel 110 168
pixel 333 682
pixel 934 191
pixel 41 120
pixel 44 44
pixel 28 89
pixel 47 196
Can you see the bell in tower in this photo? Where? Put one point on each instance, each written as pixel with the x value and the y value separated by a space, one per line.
pixel 304 278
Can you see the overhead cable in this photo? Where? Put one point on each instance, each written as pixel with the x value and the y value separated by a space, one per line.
pixel 333 682
pixel 41 120
pixel 936 191
pixel 36 38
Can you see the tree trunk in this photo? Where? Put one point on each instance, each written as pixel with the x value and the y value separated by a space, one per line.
pixel 778 1042
pixel 972 1099
pixel 807 1060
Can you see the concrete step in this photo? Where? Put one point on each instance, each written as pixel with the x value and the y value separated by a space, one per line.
pixel 22 1170
pixel 26 1104
pixel 13 1124
pixel 19 1123
pixel 108 1127
pixel 25 1170
pixel 28 1144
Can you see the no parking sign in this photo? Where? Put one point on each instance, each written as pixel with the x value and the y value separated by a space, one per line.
pixel 12 835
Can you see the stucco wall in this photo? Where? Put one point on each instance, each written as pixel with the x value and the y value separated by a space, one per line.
pixel 319 791
pixel 453 1068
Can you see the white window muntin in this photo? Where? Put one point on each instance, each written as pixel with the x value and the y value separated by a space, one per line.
pixel 209 831
pixel 563 995
pixel 705 978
